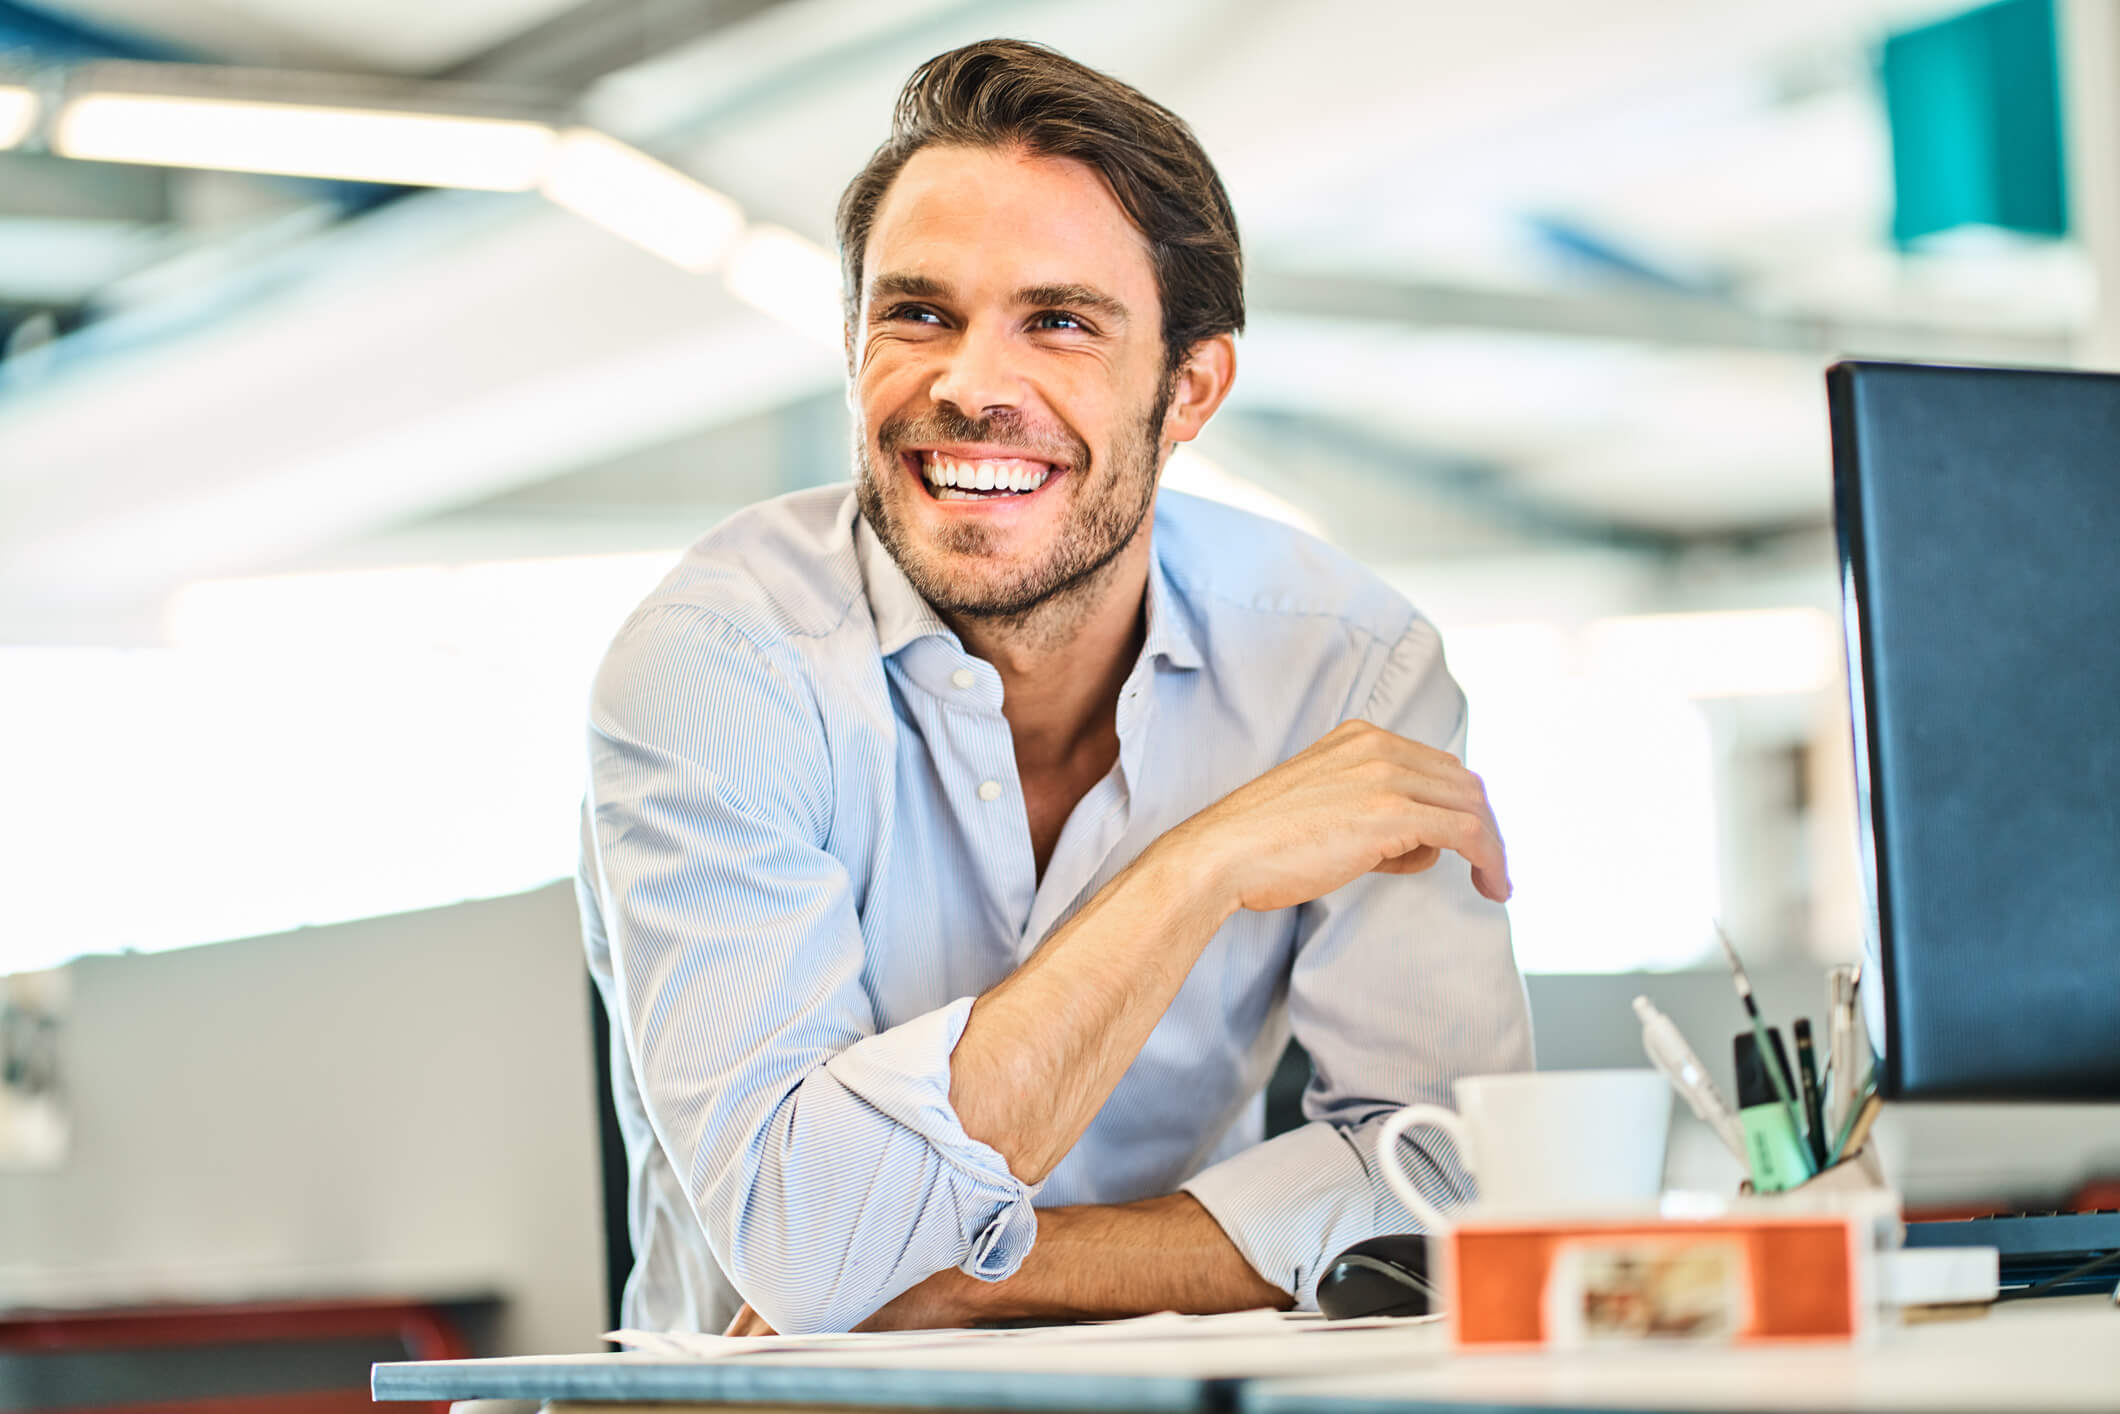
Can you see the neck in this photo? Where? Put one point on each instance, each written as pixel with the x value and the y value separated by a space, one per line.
pixel 1063 663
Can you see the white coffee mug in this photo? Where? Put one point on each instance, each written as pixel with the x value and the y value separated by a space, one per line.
pixel 1547 1140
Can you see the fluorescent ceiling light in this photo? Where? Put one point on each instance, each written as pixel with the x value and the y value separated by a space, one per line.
pixel 632 195
pixel 348 144
pixel 792 278
pixel 18 114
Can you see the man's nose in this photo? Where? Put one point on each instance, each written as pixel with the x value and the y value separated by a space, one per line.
pixel 977 375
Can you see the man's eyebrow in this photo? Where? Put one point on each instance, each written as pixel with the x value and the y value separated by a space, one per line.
pixel 906 285
pixel 1083 297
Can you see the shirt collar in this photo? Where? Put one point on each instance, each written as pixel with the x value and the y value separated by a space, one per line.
pixel 900 613
pixel 902 616
pixel 1169 626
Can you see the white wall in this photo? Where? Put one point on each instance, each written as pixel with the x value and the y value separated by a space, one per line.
pixel 401 1104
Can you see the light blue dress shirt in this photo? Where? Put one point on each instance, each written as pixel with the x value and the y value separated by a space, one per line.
pixel 805 853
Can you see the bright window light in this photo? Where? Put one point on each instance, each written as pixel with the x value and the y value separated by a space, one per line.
pixel 349 144
pixel 1752 653
pixel 315 748
pixel 792 278
pixel 18 114
pixel 634 196
pixel 310 749
pixel 1604 790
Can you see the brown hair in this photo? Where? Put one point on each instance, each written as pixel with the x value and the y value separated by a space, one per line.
pixel 1010 93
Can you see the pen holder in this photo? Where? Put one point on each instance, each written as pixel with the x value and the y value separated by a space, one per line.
pixel 1859 1172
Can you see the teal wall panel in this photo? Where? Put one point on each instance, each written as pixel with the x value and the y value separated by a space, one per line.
pixel 1974 104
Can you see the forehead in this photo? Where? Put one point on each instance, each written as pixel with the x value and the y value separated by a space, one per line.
pixel 986 221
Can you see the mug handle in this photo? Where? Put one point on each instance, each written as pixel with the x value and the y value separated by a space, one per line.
pixel 1447 1120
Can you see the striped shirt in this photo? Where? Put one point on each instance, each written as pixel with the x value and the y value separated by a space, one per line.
pixel 805 852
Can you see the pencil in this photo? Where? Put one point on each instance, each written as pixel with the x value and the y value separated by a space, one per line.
pixel 1813 1102
pixel 1783 1090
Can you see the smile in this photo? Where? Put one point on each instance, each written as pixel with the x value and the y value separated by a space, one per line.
pixel 971 478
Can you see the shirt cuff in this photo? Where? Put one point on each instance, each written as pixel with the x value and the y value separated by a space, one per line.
pixel 1292 1204
pixel 904 1074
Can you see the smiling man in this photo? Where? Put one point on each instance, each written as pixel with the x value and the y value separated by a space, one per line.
pixel 962 849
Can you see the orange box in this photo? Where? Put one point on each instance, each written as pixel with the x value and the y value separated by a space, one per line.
pixel 1792 1277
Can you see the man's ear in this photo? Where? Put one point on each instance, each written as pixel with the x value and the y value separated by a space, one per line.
pixel 1201 383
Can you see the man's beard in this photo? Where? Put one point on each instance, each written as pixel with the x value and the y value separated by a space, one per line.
pixel 1103 517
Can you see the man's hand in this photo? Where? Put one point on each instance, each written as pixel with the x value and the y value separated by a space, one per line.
pixel 944 1301
pixel 1091 1263
pixel 1360 800
pixel 749 1322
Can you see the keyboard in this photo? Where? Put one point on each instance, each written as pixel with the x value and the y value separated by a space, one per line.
pixel 2035 1246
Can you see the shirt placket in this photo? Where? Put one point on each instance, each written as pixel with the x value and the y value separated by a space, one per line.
pixel 974 757
pixel 1099 821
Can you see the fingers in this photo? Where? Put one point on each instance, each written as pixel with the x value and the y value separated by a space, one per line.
pixel 1411 862
pixel 1437 799
pixel 1443 779
pixel 748 1322
pixel 1428 828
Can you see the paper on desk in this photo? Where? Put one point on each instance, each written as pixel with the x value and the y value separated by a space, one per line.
pixel 1162 1326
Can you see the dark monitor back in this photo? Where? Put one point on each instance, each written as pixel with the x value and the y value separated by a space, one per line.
pixel 1979 523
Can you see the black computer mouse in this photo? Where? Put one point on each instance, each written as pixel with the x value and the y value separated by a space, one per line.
pixel 1385 1276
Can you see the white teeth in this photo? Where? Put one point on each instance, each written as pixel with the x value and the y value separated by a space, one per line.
pixel 966 477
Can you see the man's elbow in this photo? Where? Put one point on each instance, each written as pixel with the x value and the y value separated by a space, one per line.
pixel 796 1297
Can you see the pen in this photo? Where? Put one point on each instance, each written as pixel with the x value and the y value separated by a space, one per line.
pixel 1814 1120
pixel 1865 1100
pixel 1668 1050
pixel 1840 1045
pixel 1770 1060
pixel 1859 1128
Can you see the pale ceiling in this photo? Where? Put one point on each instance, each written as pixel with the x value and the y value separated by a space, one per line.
pixel 453 369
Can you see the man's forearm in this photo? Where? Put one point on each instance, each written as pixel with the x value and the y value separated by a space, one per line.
pixel 1100 1263
pixel 1043 1050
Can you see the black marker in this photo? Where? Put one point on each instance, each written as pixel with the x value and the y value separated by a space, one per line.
pixel 1774 1148
pixel 1814 1117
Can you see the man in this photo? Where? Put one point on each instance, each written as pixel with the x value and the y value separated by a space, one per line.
pixel 961 850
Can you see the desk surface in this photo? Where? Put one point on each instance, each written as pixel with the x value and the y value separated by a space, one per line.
pixel 2057 1355
pixel 2061 1354
pixel 1169 1374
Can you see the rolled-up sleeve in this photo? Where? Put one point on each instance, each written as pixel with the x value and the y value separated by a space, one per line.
pixel 1400 984
pixel 820 1153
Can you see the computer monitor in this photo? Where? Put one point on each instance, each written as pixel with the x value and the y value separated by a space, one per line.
pixel 1978 517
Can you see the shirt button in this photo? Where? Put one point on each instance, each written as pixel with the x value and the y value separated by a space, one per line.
pixel 962 678
pixel 990 790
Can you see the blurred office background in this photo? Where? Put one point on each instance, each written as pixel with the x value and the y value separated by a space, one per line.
pixel 319 499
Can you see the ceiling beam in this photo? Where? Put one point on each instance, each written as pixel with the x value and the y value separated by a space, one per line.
pixel 599 37
pixel 1481 490
pixel 464 358
pixel 1639 316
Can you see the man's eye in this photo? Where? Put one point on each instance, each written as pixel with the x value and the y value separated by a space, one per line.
pixel 917 313
pixel 1057 319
